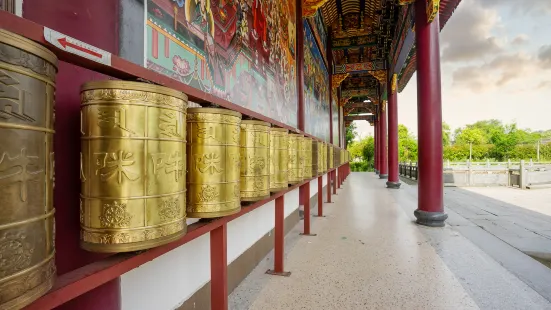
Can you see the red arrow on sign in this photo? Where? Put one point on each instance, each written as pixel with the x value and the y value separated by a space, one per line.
pixel 64 43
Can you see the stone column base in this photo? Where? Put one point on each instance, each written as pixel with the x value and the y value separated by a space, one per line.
pixel 376 171
pixel 394 185
pixel 431 219
pixel 383 176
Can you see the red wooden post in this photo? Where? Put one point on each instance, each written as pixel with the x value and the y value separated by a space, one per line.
pixel 279 239
pixel 430 205
pixel 383 168
pixel 219 268
pixel 393 180
pixel 329 187
pixel 376 142
pixel 300 65
pixel 334 181
pixel 305 193
pixel 320 197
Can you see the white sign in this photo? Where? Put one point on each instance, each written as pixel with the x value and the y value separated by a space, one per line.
pixel 74 46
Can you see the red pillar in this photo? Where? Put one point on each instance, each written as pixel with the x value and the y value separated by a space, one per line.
pixel 219 268
pixel 300 65
pixel 304 193
pixel 320 196
pixel 334 181
pixel 376 141
pixel 430 208
pixel 279 239
pixel 393 180
pixel 383 168
pixel 329 187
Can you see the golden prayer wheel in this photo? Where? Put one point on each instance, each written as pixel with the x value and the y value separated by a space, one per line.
pixel 321 157
pixel 255 160
pixel 133 166
pixel 296 160
pixel 342 156
pixel 330 157
pixel 315 158
pixel 279 158
pixel 27 88
pixel 213 154
pixel 307 154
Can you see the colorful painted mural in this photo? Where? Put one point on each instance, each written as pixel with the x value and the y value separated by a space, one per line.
pixel 320 33
pixel 335 118
pixel 239 50
pixel 316 90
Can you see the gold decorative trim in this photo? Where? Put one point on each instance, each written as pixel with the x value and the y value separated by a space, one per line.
pixel 26 127
pixel 134 86
pixel 394 82
pixel 433 7
pixel 135 246
pixel 27 45
pixel 337 79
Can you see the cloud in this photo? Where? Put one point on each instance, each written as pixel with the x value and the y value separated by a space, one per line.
pixel 497 72
pixel 520 39
pixel 526 7
pixel 544 56
pixel 544 85
pixel 468 35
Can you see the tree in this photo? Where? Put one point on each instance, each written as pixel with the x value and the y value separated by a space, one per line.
pixel 471 135
pixel 446 134
pixel 407 145
pixel 351 133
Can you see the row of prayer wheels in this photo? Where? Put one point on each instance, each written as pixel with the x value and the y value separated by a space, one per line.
pixel 147 162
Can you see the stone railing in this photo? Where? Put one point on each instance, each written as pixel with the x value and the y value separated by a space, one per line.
pixel 518 174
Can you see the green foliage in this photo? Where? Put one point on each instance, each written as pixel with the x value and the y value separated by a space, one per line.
pixel 361 153
pixel 407 145
pixel 351 133
pixel 446 134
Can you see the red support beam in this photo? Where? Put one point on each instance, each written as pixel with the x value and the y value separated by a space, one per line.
pixel 430 205
pixel 304 192
pixel 329 187
pixel 393 178
pixel 279 239
pixel 334 172
pixel 219 268
pixel 383 168
pixel 320 196
pixel 300 65
pixel 376 141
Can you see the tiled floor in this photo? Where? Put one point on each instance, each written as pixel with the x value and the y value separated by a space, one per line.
pixel 369 254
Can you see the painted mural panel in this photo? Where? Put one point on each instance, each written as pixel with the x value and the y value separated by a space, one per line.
pixel 318 29
pixel 335 119
pixel 239 50
pixel 316 88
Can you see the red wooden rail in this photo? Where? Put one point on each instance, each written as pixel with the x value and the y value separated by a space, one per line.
pixel 82 280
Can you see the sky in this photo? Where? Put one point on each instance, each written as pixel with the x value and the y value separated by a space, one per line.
pixel 496 64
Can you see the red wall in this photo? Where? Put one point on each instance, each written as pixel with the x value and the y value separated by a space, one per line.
pixel 94 22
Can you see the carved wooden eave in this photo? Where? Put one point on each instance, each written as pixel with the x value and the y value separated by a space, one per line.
pixel 405 2
pixel 310 7
pixel 380 75
pixel 336 79
pixel 432 9
pixel 343 101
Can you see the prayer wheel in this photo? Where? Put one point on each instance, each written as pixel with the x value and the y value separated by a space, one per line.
pixel 296 159
pixel 342 156
pixel 307 154
pixel 133 166
pixel 315 158
pixel 331 157
pixel 325 157
pixel 320 158
pixel 279 159
pixel 213 159
pixel 255 160
pixel 27 232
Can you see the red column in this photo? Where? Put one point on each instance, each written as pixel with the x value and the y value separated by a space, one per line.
pixel 383 168
pixel 279 239
pixel 393 180
pixel 304 192
pixel 376 141
pixel 320 196
pixel 300 65
pixel 430 208
pixel 334 181
pixel 329 187
pixel 219 268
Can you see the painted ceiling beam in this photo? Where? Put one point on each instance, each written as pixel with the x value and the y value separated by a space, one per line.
pixel 354 42
pixel 360 67
pixel 370 118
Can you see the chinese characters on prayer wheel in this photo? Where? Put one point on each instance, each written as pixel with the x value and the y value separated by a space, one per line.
pixel 213 152
pixel 27 87
pixel 279 158
pixel 307 153
pixel 133 166
pixel 255 163
pixel 296 158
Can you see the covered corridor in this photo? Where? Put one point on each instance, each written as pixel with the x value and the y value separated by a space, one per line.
pixel 369 254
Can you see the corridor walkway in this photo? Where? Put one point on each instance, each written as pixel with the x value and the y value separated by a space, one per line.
pixel 369 254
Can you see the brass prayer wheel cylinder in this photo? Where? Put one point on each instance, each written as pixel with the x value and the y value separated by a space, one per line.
pixel 255 160
pixel 342 156
pixel 324 157
pixel 213 152
pixel 330 157
pixel 307 153
pixel 315 158
pixel 320 158
pixel 296 159
pixel 279 159
pixel 133 166
pixel 27 232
